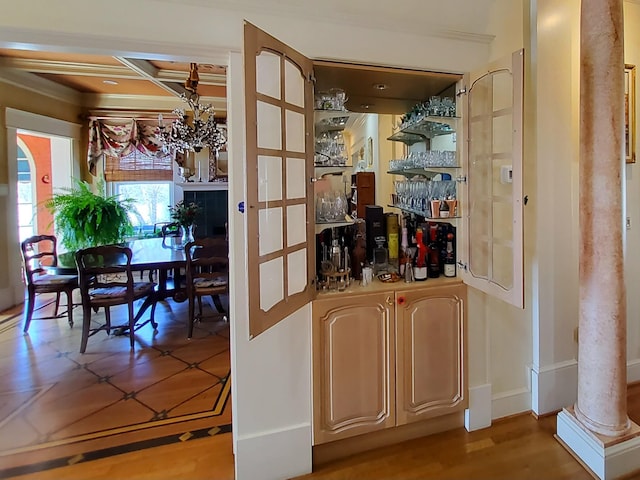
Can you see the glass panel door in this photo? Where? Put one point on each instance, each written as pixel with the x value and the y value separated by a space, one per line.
pixel 494 182
pixel 279 162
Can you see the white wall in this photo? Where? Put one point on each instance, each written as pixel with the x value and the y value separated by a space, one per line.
pixel 188 30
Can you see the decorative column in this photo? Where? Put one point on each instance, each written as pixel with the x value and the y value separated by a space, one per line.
pixel 602 366
pixel 598 429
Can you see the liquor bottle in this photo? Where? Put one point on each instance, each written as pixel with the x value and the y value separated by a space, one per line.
pixel 336 252
pixel 392 238
pixel 403 256
pixel 359 251
pixel 449 259
pixel 420 268
pixel 434 252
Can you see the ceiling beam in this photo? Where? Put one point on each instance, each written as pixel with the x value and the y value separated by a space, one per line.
pixel 146 70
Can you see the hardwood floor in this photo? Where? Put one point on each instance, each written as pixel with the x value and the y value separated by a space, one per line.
pixel 520 447
pixel 58 406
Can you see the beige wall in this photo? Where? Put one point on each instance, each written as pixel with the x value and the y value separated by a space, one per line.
pixel 14 97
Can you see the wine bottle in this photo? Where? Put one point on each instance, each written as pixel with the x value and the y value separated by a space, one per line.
pixel 449 259
pixel 444 209
pixel 420 268
pixel 359 252
pixel 434 252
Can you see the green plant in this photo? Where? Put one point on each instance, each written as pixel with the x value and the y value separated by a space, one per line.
pixel 184 214
pixel 86 219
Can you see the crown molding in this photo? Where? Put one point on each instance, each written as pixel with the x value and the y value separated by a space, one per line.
pixel 145 103
pixel 42 86
pixel 423 28
pixel 20 38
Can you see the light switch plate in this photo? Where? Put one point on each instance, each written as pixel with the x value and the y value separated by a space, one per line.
pixel 506 174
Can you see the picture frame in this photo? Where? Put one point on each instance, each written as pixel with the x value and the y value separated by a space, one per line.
pixel 369 152
pixel 630 113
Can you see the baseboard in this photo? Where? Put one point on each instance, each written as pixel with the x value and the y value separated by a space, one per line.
pixel 478 415
pixel 7 298
pixel 633 371
pixel 554 387
pixel 511 403
pixel 617 459
pixel 275 454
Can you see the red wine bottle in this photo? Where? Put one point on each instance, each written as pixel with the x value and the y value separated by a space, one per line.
pixel 420 268
pixel 433 269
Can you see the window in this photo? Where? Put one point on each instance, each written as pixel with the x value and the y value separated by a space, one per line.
pixel 146 178
pixel 25 197
pixel 151 201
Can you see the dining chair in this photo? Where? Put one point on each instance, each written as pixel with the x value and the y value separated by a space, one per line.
pixel 106 280
pixel 157 232
pixel 39 259
pixel 207 274
pixel 169 230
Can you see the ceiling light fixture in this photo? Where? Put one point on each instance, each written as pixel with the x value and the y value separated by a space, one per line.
pixel 182 137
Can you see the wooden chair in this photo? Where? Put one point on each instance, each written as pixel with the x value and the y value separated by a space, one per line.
pixel 106 280
pixel 169 230
pixel 39 256
pixel 207 274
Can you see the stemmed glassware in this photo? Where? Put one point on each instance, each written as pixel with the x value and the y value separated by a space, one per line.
pixel 416 195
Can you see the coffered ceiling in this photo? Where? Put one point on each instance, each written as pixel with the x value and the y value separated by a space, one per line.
pixel 112 83
pixel 103 83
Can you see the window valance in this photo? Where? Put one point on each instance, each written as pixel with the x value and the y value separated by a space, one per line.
pixel 118 138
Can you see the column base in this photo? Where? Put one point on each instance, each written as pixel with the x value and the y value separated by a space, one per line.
pixel 606 457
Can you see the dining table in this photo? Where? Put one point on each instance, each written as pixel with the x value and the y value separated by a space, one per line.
pixel 157 253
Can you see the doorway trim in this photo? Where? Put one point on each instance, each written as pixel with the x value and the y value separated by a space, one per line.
pixel 13 293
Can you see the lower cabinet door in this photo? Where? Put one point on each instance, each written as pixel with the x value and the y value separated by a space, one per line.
pixel 353 366
pixel 431 368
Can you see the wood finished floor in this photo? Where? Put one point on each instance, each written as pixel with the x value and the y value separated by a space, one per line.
pixel 59 406
pixel 520 447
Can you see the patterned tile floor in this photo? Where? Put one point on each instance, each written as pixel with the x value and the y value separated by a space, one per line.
pixel 56 401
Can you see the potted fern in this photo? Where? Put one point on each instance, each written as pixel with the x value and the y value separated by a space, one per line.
pixel 87 219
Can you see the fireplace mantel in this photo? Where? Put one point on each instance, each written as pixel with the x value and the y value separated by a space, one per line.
pixel 203 186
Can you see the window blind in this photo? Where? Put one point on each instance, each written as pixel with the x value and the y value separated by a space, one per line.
pixel 138 166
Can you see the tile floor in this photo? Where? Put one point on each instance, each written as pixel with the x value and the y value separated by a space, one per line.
pixel 56 401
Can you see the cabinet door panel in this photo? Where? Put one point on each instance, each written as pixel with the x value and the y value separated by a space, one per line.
pixel 354 387
pixel 431 373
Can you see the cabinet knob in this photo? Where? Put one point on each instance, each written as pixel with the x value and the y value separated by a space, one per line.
pixel 401 300
pixel 389 301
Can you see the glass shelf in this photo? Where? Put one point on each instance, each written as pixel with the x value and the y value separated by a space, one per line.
pixel 411 172
pixel 330 120
pixel 320 227
pixel 422 214
pixel 322 170
pixel 428 127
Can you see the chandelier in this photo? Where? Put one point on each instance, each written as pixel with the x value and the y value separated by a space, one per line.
pixel 183 137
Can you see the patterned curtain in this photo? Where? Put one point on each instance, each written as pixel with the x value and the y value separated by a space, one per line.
pixel 117 137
